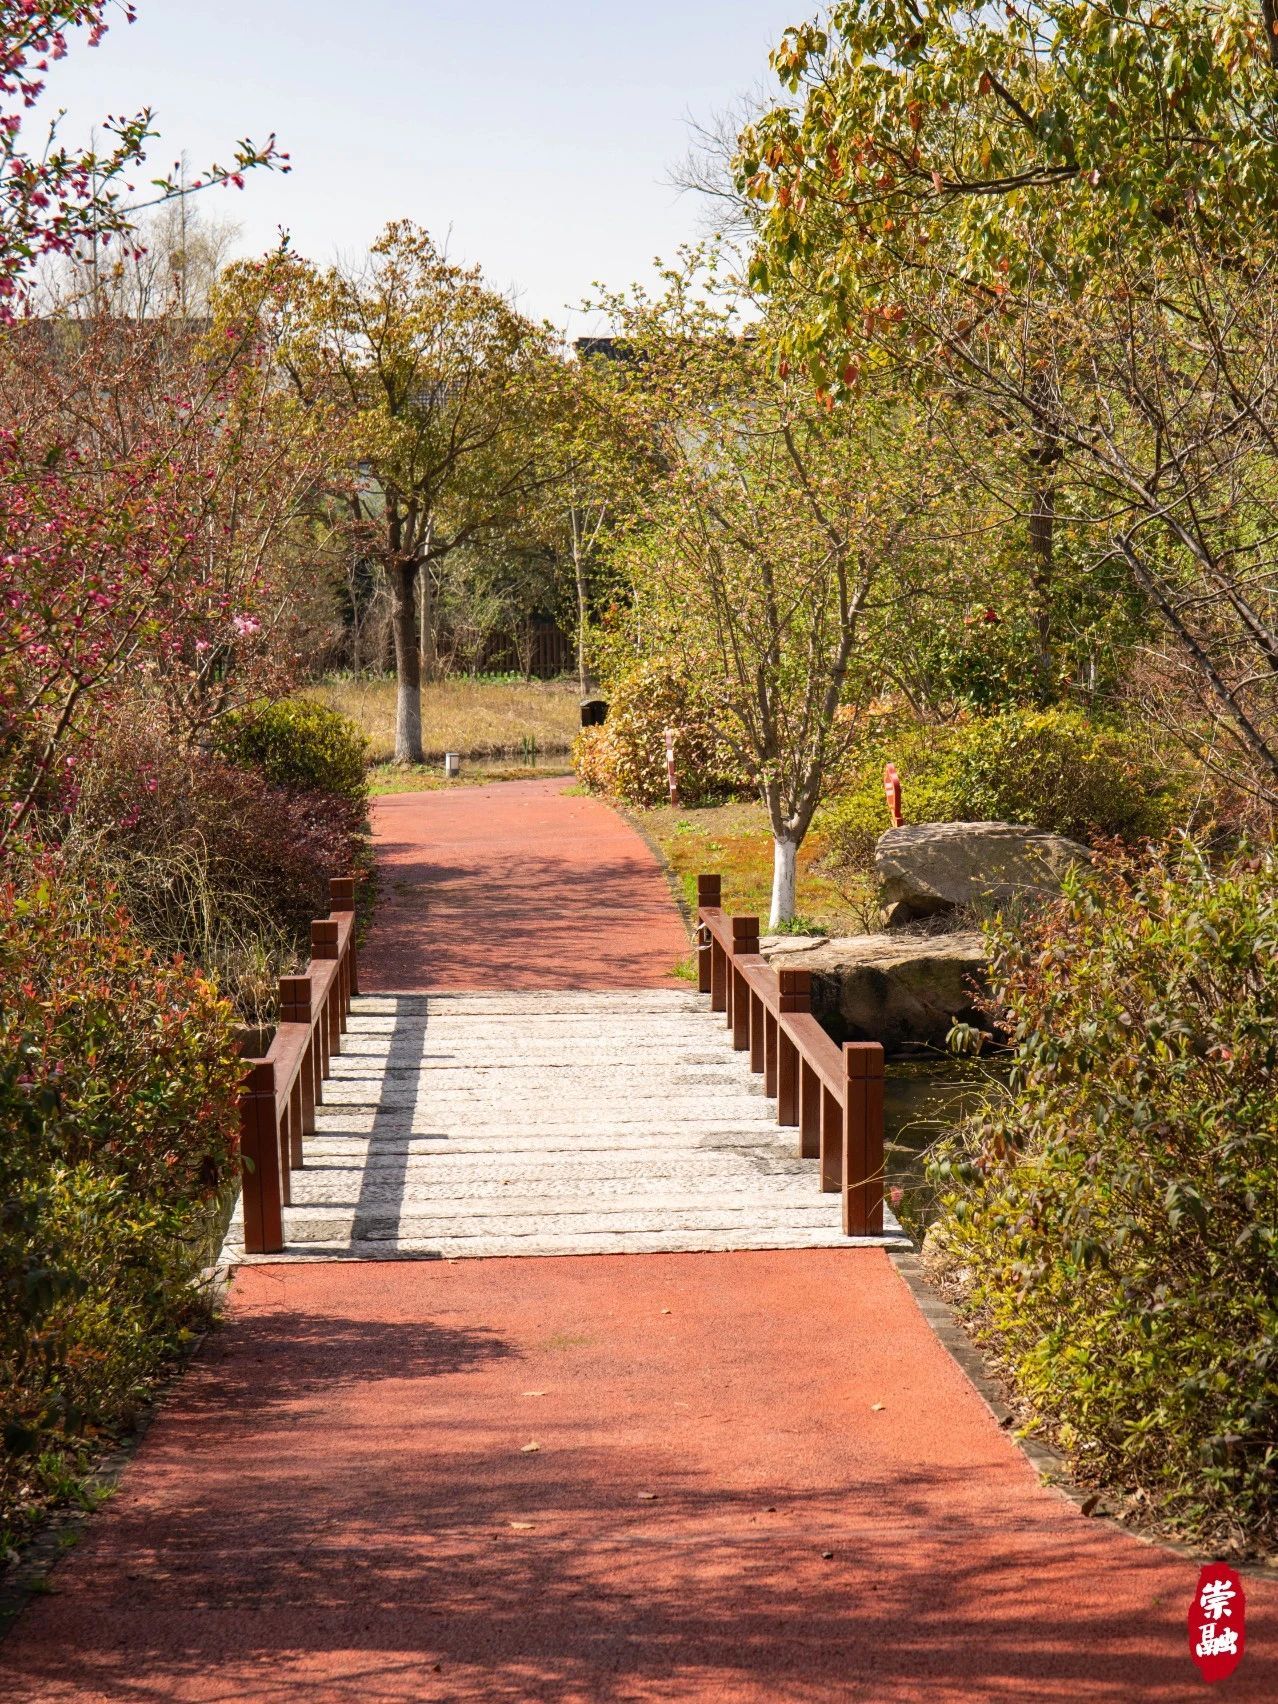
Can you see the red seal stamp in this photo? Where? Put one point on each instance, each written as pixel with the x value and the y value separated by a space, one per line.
pixel 1217 1622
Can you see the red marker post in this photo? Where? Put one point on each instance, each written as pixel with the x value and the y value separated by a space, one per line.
pixel 892 793
pixel 672 734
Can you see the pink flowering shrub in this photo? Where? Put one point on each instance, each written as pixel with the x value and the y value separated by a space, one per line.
pixel 118 1084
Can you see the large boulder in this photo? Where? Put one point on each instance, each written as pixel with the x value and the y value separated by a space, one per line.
pixel 930 868
pixel 904 990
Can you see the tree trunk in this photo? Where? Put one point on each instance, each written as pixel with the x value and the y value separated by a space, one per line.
pixel 585 683
pixel 408 664
pixel 1042 531
pixel 785 851
pixel 429 649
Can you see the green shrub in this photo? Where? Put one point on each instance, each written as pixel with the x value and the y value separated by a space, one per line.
pixel 592 759
pixel 627 757
pixel 924 756
pixel 118 1087
pixel 1052 769
pixel 302 747
pixel 1056 769
pixel 1113 1221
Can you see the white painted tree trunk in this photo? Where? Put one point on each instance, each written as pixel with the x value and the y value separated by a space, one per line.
pixel 784 857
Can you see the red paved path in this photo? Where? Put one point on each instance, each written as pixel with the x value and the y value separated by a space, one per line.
pixel 336 1503
pixel 516 885
pixel 324 1511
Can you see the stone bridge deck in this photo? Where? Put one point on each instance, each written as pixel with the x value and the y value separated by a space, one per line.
pixel 546 1123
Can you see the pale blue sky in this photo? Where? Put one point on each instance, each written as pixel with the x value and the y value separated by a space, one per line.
pixel 542 133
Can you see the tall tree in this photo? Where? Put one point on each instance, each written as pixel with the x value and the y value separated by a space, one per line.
pixel 432 375
pixel 1063 212
pixel 779 547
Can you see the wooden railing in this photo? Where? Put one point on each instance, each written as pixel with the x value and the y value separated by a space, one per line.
pixel 832 1095
pixel 281 1091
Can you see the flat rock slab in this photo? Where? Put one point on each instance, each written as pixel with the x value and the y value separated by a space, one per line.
pixel 928 868
pixel 628 1124
pixel 905 990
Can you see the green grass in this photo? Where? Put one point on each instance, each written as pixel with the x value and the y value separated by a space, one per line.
pixel 386 778
pixel 735 842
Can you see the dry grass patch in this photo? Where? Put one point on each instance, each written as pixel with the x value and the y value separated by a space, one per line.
pixel 386 778
pixel 734 841
pixel 478 718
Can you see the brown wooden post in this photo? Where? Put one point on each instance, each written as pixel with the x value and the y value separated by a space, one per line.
pixel 341 897
pixel 862 1169
pixel 296 1158
pixel 324 946
pixel 260 1160
pixel 709 898
pixel 758 1023
pixel 718 977
pixel 745 944
pixel 831 1143
pixel 295 1008
pixel 769 1053
pixel 795 995
pixel 809 1112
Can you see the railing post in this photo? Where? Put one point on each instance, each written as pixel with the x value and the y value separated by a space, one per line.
pixel 324 946
pixel 295 1008
pixel 758 1026
pixel 862 1179
pixel 795 996
pixel 260 1162
pixel 341 891
pixel 832 1144
pixel 718 977
pixel 709 898
pixel 745 944
pixel 810 1096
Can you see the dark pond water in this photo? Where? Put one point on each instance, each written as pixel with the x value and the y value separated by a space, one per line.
pixel 923 1100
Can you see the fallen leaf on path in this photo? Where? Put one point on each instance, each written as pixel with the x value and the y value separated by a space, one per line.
pixel 665 1310
pixel 534 1393
pixel 647 1496
pixel 530 1447
pixel 1089 1504
pixel 877 1407
pixel 827 1556
pixel 523 1526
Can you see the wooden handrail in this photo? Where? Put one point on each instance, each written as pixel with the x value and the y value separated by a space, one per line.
pixel 832 1095
pixel 281 1091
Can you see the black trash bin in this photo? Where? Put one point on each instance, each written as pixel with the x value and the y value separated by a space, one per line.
pixel 594 712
